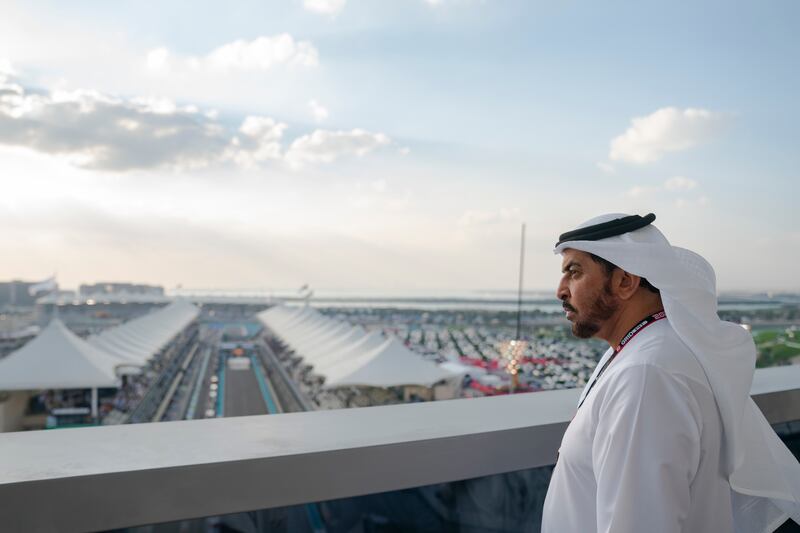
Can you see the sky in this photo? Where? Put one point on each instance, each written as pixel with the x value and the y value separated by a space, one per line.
pixel 391 145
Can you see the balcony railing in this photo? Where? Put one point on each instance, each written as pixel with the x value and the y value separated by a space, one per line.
pixel 120 476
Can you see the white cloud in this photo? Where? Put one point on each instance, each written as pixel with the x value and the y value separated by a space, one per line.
pixel 259 141
pixel 262 53
pixel 318 111
pixel 97 131
pixel 102 132
pixel 323 146
pixel 260 127
pixel 666 130
pixel 6 69
pixel 324 7
pixel 404 151
pixel 480 217
pixel 157 58
pixel 679 183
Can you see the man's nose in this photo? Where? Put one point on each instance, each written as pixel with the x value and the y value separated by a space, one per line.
pixel 562 293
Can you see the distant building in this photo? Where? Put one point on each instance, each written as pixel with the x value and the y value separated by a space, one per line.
pixel 98 289
pixel 16 294
pixel 97 306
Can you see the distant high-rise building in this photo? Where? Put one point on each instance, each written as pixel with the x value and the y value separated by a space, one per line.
pixel 16 293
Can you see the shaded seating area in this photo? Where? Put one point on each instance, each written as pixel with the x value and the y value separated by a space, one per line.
pixel 58 359
pixel 137 341
pixel 123 361
pixel 337 358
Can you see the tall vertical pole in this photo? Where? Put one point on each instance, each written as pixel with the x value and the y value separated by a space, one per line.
pixel 94 403
pixel 519 293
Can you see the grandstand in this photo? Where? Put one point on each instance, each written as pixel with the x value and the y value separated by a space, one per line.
pixel 340 364
pixel 118 368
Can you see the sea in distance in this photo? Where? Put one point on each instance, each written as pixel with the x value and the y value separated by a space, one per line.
pixel 480 300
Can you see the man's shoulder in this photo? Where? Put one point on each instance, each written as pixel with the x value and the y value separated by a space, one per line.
pixel 658 346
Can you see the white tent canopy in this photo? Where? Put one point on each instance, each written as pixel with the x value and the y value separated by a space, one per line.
pixel 297 327
pixel 58 359
pixel 318 353
pixel 322 337
pixel 138 340
pixel 390 365
pixel 333 359
pixel 348 356
pixel 289 318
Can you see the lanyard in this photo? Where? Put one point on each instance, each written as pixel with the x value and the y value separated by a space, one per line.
pixel 635 330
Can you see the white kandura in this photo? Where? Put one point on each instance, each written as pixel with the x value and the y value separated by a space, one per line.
pixel 762 474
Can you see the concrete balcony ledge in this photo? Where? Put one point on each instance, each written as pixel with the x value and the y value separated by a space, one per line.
pixel 118 476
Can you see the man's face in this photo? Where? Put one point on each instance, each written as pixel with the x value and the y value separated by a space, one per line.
pixel 585 292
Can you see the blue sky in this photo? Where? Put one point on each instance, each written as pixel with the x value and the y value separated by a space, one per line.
pixel 392 145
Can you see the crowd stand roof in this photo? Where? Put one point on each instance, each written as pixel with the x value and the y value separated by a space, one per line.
pixel 138 340
pixel 324 337
pixel 57 359
pixel 333 358
pixel 389 365
pixel 317 354
pixel 346 355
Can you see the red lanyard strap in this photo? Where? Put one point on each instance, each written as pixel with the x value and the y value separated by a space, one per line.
pixel 635 330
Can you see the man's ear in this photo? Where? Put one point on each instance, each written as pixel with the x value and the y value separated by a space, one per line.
pixel 625 284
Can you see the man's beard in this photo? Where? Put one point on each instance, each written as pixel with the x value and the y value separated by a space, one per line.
pixel 589 322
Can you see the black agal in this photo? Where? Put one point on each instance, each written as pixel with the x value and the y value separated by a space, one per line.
pixel 608 229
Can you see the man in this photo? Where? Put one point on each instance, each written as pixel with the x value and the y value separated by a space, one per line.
pixel 666 437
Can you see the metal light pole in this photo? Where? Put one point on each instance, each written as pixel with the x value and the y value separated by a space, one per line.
pixel 519 293
pixel 514 350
